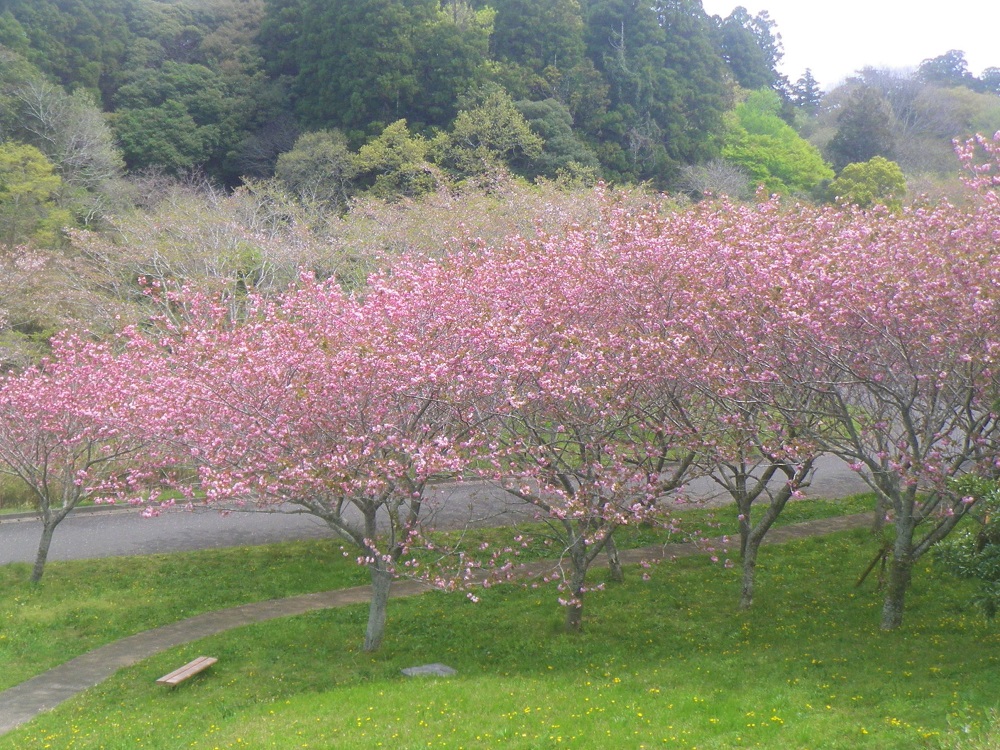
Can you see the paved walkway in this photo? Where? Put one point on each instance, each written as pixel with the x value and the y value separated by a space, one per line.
pixel 23 702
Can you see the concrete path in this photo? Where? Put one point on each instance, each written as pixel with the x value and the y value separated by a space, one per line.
pixel 23 702
pixel 449 505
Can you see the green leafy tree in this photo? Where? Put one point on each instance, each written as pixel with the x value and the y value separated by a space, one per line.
pixel 667 86
pixel 395 164
pixel 361 64
pixel 450 52
pixel 199 89
pixel 166 136
pixel 551 121
pixel 989 80
pixel 15 73
pixel 279 36
pixel 877 181
pixel 949 69
pixel 77 42
pixel 488 134
pixel 975 553
pixel 319 169
pixel 538 34
pixel 181 115
pixel 29 188
pixel 584 92
pixel 534 46
pixel 229 39
pixel 13 36
pixel 769 150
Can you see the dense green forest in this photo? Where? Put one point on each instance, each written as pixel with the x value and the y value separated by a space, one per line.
pixel 178 140
pixel 448 89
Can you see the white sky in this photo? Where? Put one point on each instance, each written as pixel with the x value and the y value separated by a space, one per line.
pixel 835 39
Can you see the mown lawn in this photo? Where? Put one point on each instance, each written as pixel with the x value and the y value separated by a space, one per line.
pixel 84 604
pixel 662 663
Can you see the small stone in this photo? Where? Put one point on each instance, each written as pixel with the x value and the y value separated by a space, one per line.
pixel 434 670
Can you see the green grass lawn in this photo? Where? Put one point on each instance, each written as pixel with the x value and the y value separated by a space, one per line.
pixel 84 604
pixel 663 663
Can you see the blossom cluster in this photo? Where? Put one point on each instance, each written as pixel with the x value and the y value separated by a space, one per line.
pixel 589 372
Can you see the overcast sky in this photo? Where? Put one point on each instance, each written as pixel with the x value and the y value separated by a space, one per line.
pixel 835 39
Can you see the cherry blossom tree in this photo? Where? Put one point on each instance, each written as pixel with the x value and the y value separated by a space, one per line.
pixel 754 429
pixel 586 371
pixel 751 423
pixel 910 351
pixel 584 387
pixel 896 317
pixel 63 430
pixel 324 404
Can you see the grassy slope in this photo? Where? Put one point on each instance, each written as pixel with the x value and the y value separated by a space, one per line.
pixel 84 604
pixel 666 663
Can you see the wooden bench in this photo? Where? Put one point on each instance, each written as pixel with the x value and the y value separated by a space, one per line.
pixel 188 670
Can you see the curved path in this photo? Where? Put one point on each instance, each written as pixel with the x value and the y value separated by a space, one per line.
pixel 23 702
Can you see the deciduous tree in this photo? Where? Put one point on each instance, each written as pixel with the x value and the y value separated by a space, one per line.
pixel 877 181
pixel 29 188
pixel 586 389
pixel 63 430
pixel 769 150
pixel 908 351
pixel 322 404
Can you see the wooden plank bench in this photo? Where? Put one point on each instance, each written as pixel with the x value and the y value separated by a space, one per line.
pixel 188 670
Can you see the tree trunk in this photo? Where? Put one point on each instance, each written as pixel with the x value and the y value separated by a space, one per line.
pixel 615 572
pixel 43 551
pixel 882 507
pixel 745 529
pixel 578 558
pixel 574 610
pixel 900 573
pixel 750 549
pixel 381 583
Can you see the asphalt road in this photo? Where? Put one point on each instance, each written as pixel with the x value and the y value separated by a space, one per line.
pixel 116 532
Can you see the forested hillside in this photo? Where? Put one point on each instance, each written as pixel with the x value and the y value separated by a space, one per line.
pixel 625 91
pixel 226 85
pixel 239 140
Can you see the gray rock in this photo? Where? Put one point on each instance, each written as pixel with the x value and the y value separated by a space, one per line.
pixel 434 670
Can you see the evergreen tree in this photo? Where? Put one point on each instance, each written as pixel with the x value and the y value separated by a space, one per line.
pixel 77 42
pixel 864 129
pixel 451 52
pixel 538 33
pixel 562 150
pixel 666 84
pixel 362 64
pixel 949 69
pixel 279 36
pixel 989 81
pixel 806 93
pixel 751 48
